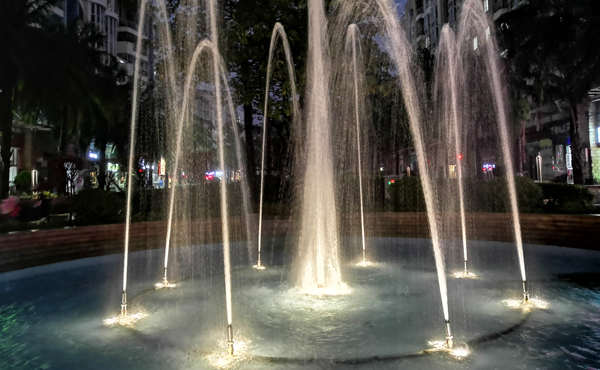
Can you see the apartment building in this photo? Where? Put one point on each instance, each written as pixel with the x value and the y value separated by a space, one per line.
pixel 118 23
pixel 423 19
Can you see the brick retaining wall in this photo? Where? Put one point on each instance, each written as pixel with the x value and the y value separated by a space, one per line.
pixel 21 250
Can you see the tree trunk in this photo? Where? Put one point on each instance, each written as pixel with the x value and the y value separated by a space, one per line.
pixel 576 146
pixel 7 83
pixel 101 164
pixel 248 129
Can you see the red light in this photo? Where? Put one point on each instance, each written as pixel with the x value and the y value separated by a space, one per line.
pixel 393 181
pixel 459 156
pixel 141 170
pixel 209 177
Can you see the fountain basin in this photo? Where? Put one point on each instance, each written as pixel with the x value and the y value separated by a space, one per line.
pixel 52 315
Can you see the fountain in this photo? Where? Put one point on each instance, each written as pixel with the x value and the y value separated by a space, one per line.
pixel 320 282
pixel 278 32
pixel 318 241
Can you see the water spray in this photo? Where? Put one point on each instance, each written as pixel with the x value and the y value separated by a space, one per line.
pixel 134 112
pixel 278 31
pixel 353 30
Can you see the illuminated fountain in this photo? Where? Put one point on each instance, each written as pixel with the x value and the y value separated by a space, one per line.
pixel 318 268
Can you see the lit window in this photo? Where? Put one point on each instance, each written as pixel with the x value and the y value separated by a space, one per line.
pixel 486 5
pixel 475 43
pixel 487 33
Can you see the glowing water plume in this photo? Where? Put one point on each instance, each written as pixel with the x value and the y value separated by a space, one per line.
pixel 401 52
pixel 474 22
pixel 448 74
pixel 351 37
pixel 214 35
pixel 203 45
pixel 134 112
pixel 319 235
pixel 278 32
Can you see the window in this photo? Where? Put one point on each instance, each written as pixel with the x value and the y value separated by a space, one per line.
pixel 109 30
pixel 97 17
pixel 474 43
pixel 486 5
pixel 126 36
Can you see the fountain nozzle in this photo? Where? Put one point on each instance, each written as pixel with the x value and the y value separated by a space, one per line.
pixel 466 268
pixel 449 337
pixel 230 339
pixel 124 304
pixel 165 281
pixel 525 292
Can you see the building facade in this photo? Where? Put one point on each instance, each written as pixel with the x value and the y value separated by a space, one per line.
pixel 118 23
pixel 423 19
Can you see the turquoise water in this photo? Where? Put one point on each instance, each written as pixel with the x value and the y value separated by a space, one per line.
pixel 51 316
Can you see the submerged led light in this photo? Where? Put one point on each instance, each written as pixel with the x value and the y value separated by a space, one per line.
pixel 320 290
pixel 528 305
pixel 458 350
pixel 125 320
pixel 464 275
pixel 366 264
pixel 166 285
pixel 222 360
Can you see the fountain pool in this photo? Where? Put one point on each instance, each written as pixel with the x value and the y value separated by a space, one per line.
pixel 51 316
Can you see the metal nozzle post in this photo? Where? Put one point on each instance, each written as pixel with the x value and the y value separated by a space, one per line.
pixel 230 339
pixel 466 268
pixel 124 304
pixel 258 263
pixel 525 292
pixel 165 281
pixel 449 337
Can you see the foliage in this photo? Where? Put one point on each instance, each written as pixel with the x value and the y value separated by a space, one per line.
pixel 55 71
pixel 23 181
pixel 493 195
pixel 407 195
pixel 565 198
pixel 548 48
pixel 97 206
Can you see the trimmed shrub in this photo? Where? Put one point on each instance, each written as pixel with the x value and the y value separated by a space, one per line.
pixel 97 206
pixel 23 181
pixel 567 199
pixel 407 195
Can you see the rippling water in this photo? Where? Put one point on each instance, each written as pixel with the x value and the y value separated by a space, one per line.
pixel 51 316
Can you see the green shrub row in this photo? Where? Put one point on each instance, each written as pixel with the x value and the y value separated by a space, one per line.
pixel 493 196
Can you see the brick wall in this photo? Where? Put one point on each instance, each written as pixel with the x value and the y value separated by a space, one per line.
pixel 29 249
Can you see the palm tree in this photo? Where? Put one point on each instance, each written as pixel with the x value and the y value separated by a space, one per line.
pixel 43 66
pixel 550 46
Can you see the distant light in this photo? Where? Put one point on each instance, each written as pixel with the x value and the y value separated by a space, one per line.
pixel 459 156
pixel 381 168
pixel 93 155
pixel 183 173
pixel 475 43
pixel 598 134
pixel 393 181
